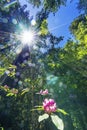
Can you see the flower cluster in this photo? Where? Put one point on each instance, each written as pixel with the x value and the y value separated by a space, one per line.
pixel 10 91
pixel 14 91
pixel 6 88
pixel 49 105
pixel 45 92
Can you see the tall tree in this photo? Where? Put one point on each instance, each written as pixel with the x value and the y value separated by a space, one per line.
pixel 26 65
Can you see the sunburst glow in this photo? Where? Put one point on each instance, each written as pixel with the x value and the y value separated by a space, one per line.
pixel 27 37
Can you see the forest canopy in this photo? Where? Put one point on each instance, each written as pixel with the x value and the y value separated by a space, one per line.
pixel 39 69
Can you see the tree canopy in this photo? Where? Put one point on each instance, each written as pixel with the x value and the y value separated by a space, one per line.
pixel 51 6
pixel 28 70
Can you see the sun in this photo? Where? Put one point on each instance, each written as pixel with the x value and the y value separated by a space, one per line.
pixel 27 37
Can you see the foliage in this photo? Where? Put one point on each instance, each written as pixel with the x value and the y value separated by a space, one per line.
pixel 49 106
pixel 68 67
pixel 41 66
pixel 43 117
pixel 6 4
pixel 82 5
pixel 25 76
pixel 14 95
pixel 78 28
pixel 51 5
pixel 57 121
pixel 43 28
pixel 2 128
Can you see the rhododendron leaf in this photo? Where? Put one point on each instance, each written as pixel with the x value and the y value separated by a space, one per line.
pixel 43 117
pixel 38 109
pixel 38 106
pixel 2 70
pixel 62 111
pixel 57 122
pixel 10 94
pixel 1 128
pixel 25 91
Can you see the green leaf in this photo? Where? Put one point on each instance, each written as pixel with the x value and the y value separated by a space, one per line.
pixel 43 117
pixel 12 67
pixel 2 128
pixel 25 91
pixel 10 94
pixel 38 109
pixel 44 28
pixel 62 111
pixel 57 122
pixel 38 106
pixel 2 70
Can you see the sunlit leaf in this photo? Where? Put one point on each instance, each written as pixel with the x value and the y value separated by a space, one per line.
pixel 43 28
pixel 12 67
pixel 57 122
pixel 43 117
pixel 25 91
pixel 10 94
pixel 9 4
pixel 39 108
pixel 62 111
pixel 1 128
pixel 2 70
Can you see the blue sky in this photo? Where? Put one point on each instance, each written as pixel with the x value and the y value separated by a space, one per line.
pixel 59 24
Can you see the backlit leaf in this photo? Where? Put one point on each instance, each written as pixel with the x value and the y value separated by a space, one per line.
pixel 57 122
pixel 43 117
pixel 62 111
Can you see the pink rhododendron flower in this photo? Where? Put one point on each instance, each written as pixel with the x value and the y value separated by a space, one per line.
pixel 6 88
pixel 49 105
pixel 45 92
pixel 15 91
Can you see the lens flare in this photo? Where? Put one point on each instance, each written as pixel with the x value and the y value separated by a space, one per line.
pixel 33 22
